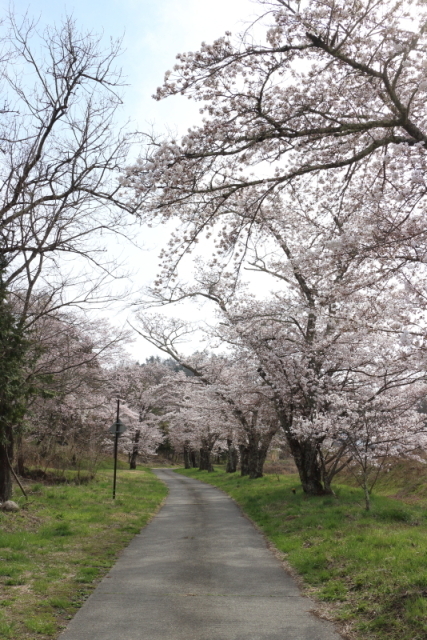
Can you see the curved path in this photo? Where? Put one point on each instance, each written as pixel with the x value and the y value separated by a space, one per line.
pixel 198 571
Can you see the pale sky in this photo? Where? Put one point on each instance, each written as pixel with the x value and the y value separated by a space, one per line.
pixel 153 33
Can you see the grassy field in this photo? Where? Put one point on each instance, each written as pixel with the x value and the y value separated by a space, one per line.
pixel 367 570
pixel 64 539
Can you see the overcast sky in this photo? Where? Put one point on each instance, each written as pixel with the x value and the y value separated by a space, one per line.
pixel 153 31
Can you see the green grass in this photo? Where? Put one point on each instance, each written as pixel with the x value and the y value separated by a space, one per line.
pixel 406 480
pixel 55 550
pixel 368 569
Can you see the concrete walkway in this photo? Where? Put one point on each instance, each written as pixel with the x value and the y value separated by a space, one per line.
pixel 198 571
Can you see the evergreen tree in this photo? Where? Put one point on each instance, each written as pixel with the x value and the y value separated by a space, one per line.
pixel 13 347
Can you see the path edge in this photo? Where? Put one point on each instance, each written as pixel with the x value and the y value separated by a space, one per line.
pixel 321 610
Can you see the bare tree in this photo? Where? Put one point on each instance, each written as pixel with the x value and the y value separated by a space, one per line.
pixel 61 153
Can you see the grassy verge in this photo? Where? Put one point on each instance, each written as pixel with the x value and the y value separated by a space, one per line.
pixel 55 550
pixel 368 569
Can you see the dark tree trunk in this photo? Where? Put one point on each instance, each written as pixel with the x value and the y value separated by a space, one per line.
pixel 193 459
pixel 205 463
pixel 255 465
pixel 244 460
pixel 232 457
pixel 6 457
pixel 262 454
pixel 133 459
pixel 254 453
pixel 306 457
pixel 135 450
pixel 187 461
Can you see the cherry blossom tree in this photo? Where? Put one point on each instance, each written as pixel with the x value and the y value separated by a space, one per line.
pixel 309 169
pixel 141 438
pixel 143 391
pixel 335 88
pixel 376 438
pixel 338 330
pixel 241 399
pixel 68 367
pixel 197 420
pixel 335 93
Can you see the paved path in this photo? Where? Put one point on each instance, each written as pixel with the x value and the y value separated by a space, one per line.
pixel 198 571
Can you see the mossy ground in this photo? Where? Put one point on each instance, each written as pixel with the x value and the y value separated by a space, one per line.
pixel 65 538
pixel 368 569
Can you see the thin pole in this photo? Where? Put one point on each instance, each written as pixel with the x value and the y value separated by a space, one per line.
pixel 116 440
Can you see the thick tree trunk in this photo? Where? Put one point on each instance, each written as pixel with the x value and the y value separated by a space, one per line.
pixel 193 459
pixel 187 461
pixel 133 459
pixel 262 454
pixel 6 456
pixel 253 455
pixel 205 463
pixel 232 457
pixel 255 463
pixel 135 451
pixel 244 460
pixel 306 457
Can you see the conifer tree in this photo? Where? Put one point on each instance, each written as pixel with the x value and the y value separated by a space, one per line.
pixel 13 386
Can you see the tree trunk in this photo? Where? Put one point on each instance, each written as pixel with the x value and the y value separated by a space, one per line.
pixel 133 458
pixel 253 454
pixel 365 485
pixel 306 457
pixel 244 460
pixel 193 459
pixel 262 454
pixel 205 463
pixel 367 495
pixel 255 465
pixel 187 461
pixel 231 457
pixel 6 456
pixel 135 450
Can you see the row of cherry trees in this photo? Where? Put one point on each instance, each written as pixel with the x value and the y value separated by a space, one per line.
pixel 309 170
pixel 73 380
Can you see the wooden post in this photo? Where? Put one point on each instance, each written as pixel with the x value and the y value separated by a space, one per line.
pixel 116 441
